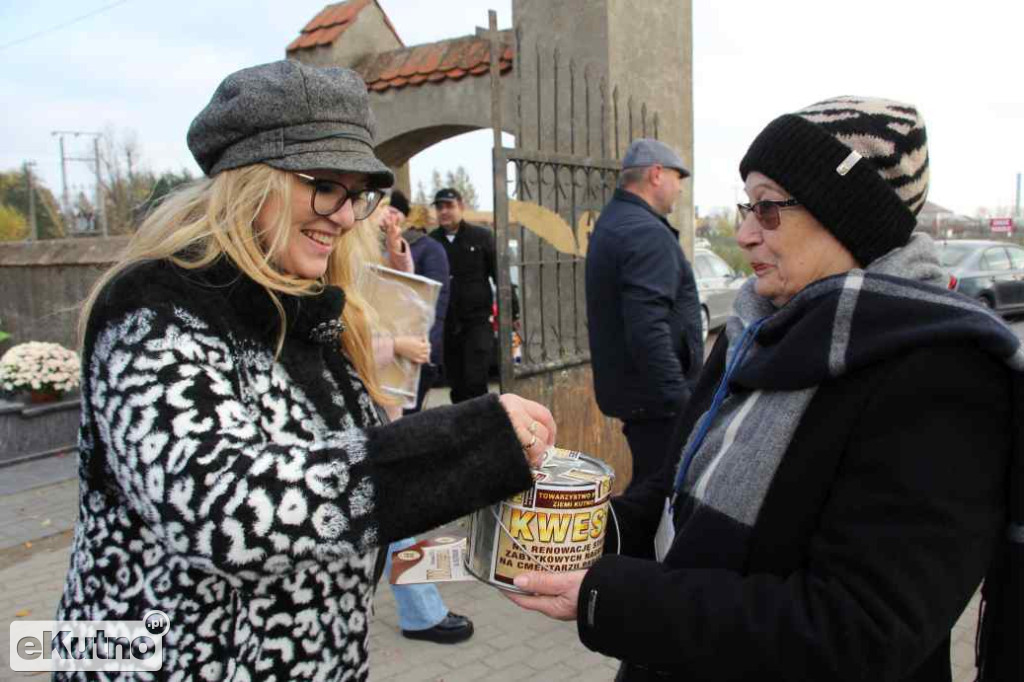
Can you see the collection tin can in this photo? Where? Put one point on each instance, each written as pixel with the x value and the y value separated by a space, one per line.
pixel 557 525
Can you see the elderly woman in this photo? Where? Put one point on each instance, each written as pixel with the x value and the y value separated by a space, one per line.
pixel 236 472
pixel 840 481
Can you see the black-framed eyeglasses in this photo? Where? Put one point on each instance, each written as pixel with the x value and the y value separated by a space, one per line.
pixel 767 211
pixel 331 195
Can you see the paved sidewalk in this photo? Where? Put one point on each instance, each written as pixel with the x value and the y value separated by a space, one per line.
pixel 38 512
pixel 509 644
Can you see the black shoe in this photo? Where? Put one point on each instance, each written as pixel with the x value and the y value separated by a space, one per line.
pixel 453 629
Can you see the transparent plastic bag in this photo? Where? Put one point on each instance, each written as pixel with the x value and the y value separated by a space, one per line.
pixel 406 305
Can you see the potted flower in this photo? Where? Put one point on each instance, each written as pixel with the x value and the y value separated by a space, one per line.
pixel 45 370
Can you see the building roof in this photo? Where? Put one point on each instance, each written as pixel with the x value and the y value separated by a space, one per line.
pixel 331 22
pixel 930 207
pixel 444 60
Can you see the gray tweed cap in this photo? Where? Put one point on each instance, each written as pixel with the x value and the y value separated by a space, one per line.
pixel 290 116
pixel 649 152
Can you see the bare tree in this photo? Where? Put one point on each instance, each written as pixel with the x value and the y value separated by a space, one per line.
pixel 460 180
pixel 126 183
pixel 421 194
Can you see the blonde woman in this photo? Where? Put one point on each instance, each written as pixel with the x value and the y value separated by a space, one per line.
pixel 235 472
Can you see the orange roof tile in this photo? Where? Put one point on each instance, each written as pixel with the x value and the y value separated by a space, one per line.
pixel 453 55
pixel 328 25
pixel 421 60
pixel 452 59
pixel 390 67
pixel 320 36
pixel 479 52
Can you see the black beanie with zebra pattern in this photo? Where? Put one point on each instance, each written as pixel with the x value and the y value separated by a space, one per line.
pixel 858 164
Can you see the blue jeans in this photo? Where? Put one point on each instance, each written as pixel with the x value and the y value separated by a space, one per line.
pixel 419 606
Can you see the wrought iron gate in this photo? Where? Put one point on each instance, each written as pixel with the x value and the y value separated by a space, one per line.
pixel 546 199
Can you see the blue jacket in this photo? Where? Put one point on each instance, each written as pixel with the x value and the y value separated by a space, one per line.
pixel 430 260
pixel 643 312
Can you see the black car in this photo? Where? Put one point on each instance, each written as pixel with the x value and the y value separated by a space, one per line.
pixel 990 272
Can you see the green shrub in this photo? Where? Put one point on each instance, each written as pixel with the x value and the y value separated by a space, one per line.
pixel 13 225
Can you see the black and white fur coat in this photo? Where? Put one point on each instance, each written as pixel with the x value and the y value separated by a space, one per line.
pixel 246 495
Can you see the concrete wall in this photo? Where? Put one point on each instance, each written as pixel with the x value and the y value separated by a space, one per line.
pixel 650 47
pixel 645 49
pixel 43 284
pixel 579 30
pixel 413 118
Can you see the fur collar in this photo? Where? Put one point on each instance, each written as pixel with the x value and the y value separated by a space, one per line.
pixel 315 318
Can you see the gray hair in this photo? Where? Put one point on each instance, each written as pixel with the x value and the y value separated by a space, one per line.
pixel 632 176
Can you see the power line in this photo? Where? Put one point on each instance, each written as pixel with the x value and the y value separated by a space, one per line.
pixel 64 25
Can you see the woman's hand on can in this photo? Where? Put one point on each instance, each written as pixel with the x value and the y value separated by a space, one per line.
pixel 556 595
pixel 533 424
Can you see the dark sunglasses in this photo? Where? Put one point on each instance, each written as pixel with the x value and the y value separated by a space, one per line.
pixel 330 195
pixel 767 211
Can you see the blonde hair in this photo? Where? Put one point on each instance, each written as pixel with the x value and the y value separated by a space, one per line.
pixel 214 218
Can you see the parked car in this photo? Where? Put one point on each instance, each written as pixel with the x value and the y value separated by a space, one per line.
pixel 717 285
pixel 990 272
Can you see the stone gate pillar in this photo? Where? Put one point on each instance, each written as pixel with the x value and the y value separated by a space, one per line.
pixel 643 48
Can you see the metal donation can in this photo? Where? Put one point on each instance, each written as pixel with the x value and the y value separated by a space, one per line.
pixel 557 525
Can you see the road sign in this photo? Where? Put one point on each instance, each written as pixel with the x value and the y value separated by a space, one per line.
pixel 1001 224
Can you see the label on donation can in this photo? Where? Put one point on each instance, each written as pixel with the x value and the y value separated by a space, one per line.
pixel 557 525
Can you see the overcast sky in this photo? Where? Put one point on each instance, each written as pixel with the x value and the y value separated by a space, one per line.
pixel 148 67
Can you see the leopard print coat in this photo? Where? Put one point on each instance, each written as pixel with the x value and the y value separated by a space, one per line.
pixel 246 495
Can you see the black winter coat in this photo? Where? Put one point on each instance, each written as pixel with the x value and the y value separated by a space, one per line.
pixel 472 265
pixel 643 312
pixel 246 495
pixel 910 451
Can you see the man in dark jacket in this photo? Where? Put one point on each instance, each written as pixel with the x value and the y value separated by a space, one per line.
pixel 642 305
pixel 468 336
pixel 429 260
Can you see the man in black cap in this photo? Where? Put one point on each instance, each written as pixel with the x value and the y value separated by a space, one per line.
pixel 468 335
pixel 643 311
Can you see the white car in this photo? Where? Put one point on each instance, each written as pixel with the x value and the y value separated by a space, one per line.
pixel 717 286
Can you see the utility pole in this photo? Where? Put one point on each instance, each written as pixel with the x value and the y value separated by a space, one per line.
pixel 33 226
pixel 1016 210
pixel 101 213
pixel 101 209
pixel 64 178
